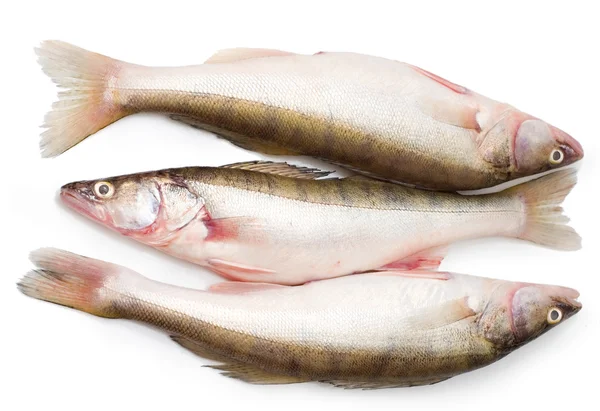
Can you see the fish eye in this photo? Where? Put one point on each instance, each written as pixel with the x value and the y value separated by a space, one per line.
pixel 554 316
pixel 104 189
pixel 556 156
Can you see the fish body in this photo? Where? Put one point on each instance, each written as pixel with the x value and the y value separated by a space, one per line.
pixel 380 117
pixel 366 331
pixel 271 222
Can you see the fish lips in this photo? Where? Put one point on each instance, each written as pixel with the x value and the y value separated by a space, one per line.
pixel 81 198
pixel 568 297
pixel 572 147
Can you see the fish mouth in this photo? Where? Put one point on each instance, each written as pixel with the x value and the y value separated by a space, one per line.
pixel 575 149
pixel 76 201
pixel 569 296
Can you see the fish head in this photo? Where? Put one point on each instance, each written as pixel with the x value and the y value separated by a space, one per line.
pixel 518 313
pixel 149 207
pixel 521 145
pixel 539 146
pixel 524 144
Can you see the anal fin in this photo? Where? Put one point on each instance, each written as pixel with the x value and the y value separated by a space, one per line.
pixel 237 139
pixel 371 385
pixel 429 259
pixel 235 369
pixel 254 375
pixel 199 349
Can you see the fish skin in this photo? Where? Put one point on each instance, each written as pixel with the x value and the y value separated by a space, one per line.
pixel 380 117
pixel 258 226
pixel 362 331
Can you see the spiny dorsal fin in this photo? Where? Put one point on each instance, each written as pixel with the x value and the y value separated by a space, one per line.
pixel 234 369
pixel 241 53
pixel 281 169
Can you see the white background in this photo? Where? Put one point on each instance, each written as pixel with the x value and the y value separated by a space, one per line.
pixel 541 57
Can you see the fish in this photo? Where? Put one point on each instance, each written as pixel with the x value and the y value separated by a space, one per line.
pixel 372 330
pixel 379 117
pixel 277 223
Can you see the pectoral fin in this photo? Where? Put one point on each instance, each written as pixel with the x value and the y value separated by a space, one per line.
pixel 441 315
pixel 237 139
pixel 453 113
pixel 225 229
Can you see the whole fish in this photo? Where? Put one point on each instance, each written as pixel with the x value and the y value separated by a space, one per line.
pixel 363 331
pixel 276 223
pixel 380 117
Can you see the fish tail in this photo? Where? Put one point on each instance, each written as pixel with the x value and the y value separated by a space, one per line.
pixel 545 222
pixel 86 104
pixel 71 280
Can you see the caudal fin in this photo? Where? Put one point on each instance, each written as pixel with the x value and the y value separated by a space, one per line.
pixel 86 105
pixel 546 224
pixel 71 280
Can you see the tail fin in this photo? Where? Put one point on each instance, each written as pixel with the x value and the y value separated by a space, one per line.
pixel 86 105
pixel 71 280
pixel 545 222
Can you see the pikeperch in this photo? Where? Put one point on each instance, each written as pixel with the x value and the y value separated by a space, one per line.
pixel 276 223
pixel 380 117
pixel 373 330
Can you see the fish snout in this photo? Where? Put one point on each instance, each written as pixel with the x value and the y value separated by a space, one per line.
pixel 80 197
pixel 568 298
pixel 573 151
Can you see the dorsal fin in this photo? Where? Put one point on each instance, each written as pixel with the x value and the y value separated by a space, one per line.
pixel 452 86
pixel 241 53
pixel 240 287
pixel 281 169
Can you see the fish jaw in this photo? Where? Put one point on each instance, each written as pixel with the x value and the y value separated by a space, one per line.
pixel 575 152
pixel 80 198
pixel 74 196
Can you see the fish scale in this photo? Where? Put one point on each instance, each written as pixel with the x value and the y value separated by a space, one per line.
pixel 276 223
pixel 363 331
pixel 379 117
